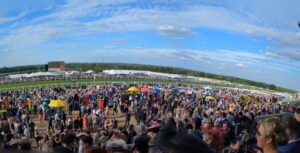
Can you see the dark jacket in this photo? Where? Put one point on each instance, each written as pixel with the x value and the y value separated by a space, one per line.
pixel 62 149
pixel 292 147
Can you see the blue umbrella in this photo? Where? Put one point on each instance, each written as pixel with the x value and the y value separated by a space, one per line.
pixel 156 90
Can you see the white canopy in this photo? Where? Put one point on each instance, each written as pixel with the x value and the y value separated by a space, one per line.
pixel 72 72
pixel 37 74
pixel 89 71
pixel 113 72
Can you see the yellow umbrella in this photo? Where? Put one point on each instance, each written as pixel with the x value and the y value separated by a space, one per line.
pixel 57 103
pixel 3 110
pixel 133 89
pixel 210 97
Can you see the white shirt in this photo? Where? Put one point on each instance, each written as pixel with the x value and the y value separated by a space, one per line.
pixel 56 117
pixel 294 140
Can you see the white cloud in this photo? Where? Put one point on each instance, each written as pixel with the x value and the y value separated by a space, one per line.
pixel 13 18
pixel 240 65
pixel 32 34
pixel 111 16
pixel 292 53
pixel 271 55
pixel 169 30
pixel 290 39
pixel 12 7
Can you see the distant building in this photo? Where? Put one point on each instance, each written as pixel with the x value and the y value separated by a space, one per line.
pixel 56 66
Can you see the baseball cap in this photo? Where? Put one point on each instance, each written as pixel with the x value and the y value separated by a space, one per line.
pixel 154 125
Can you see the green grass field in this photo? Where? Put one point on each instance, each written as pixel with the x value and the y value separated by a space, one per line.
pixel 16 86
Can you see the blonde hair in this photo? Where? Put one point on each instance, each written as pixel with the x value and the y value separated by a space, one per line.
pixel 273 128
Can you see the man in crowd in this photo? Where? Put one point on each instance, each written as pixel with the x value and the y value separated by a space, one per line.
pixel 229 136
pixel 31 129
pixel 127 119
pixel 68 142
pixel 292 129
pixel 297 114
pixel 87 144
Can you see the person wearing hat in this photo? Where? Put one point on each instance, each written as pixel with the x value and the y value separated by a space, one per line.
pixel 153 131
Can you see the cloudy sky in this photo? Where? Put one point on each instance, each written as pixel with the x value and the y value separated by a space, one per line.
pixel 257 40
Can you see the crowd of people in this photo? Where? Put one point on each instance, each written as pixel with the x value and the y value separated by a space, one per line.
pixel 156 118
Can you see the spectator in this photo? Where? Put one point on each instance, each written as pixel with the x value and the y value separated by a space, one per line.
pixel 141 144
pixel 64 117
pixel 292 130
pixel 153 131
pixel 45 144
pixel 87 144
pixel 68 142
pixel 50 124
pixel 169 140
pixel 297 114
pixel 127 119
pixel 242 143
pixel 271 134
pixel 229 136
pixel 116 141
pixel 31 129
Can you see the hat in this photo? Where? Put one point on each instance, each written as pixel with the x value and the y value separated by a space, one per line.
pixel 154 125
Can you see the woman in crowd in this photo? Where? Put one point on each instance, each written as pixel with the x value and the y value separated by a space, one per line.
pixel 271 134
pixel 46 144
pixel 85 121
